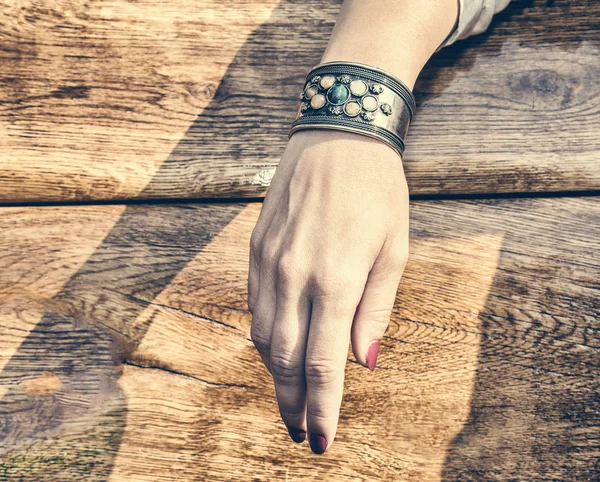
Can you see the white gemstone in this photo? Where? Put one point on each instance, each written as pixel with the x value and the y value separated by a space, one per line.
pixel 358 87
pixel 369 103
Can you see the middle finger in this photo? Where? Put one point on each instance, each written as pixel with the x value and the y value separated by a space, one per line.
pixel 326 355
pixel 288 347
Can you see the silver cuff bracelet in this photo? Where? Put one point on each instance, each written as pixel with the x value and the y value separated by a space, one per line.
pixel 355 97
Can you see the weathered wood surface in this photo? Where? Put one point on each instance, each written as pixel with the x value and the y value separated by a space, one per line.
pixel 184 99
pixel 125 352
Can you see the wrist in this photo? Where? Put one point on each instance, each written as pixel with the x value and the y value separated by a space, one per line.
pixel 347 144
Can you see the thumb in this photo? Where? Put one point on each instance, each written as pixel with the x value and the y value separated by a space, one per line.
pixel 374 310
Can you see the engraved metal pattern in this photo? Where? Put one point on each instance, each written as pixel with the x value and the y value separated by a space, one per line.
pixel 376 88
pixel 368 116
pixel 336 109
pixel 386 108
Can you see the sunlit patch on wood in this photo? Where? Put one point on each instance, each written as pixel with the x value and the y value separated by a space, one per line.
pixel 46 384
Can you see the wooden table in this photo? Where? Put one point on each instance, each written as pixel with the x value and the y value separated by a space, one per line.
pixel 135 149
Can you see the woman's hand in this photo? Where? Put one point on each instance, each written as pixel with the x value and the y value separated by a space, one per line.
pixel 327 255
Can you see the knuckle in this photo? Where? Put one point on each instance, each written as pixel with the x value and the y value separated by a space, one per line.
pixel 321 372
pixel 251 303
pixel 288 271
pixel 335 294
pixel 261 340
pixel 285 366
pixel 397 261
pixel 329 287
pixel 401 259
pixel 288 414
pixel 255 243
pixel 268 254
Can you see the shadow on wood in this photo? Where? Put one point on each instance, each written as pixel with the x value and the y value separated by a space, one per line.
pixel 535 406
pixel 86 333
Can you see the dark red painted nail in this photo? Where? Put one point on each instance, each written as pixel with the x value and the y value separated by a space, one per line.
pixel 297 434
pixel 372 352
pixel 318 443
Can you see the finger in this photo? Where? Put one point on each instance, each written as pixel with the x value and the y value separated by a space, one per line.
pixel 263 315
pixel 326 356
pixel 288 349
pixel 373 313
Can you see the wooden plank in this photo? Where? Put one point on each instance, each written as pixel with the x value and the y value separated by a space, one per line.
pixel 119 100
pixel 125 351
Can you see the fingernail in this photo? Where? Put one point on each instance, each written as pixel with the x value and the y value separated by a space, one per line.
pixel 297 434
pixel 318 443
pixel 372 352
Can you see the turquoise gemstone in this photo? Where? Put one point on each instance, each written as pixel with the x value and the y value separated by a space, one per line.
pixel 338 94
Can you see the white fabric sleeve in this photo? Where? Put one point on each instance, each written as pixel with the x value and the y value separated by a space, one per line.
pixel 474 16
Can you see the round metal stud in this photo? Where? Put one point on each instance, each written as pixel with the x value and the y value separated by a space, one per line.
pixel 376 88
pixel 336 109
pixel 345 79
pixel 386 108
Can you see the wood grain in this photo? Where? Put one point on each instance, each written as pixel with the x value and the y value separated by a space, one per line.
pixel 125 352
pixel 121 100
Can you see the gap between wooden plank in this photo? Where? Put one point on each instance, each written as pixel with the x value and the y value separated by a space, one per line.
pixel 247 200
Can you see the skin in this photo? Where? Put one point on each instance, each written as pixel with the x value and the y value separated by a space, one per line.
pixel 331 241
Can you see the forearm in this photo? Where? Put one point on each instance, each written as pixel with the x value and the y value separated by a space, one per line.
pixel 397 36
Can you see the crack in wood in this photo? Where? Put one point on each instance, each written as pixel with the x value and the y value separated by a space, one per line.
pixel 236 330
pixel 186 375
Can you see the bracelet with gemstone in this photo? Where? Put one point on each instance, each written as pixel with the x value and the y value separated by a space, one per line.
pixel 356 97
